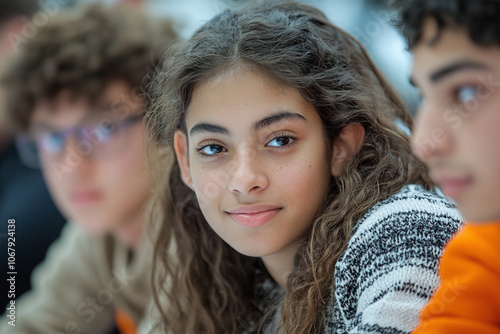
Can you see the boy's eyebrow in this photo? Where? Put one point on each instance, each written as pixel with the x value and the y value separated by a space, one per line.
pixel 452 68
pixel 212 128
pixel 36 125
pixel 277 118
pixel 455 67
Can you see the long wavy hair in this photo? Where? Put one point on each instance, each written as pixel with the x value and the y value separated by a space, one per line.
pixel 201 284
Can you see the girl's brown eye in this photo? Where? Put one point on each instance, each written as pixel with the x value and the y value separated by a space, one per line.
pixel 281 141
pixel 212 149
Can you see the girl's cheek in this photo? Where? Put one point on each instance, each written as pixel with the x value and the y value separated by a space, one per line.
pixel 208 187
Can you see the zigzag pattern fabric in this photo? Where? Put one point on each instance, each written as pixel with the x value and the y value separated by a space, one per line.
pixel 389 270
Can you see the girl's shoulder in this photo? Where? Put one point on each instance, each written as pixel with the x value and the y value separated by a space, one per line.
pixel 391 261
pixel 411 208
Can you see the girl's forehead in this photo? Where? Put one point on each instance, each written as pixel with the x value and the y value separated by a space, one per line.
pixel 245 95
pixel 246 107
pixel 239 69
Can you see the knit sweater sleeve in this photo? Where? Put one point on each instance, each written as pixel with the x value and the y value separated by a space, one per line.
pixel 390 267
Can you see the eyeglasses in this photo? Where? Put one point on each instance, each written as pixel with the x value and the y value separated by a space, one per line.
pixel 97 136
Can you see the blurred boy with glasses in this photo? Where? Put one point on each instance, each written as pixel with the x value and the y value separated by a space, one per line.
pixel 75 90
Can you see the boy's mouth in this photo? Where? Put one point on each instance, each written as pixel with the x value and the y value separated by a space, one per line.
pixel 453 186
pixel 85 197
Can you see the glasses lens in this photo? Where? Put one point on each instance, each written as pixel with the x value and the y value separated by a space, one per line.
pixel 104 135
pixel 28 150
pixel 51 142
pixel 107 129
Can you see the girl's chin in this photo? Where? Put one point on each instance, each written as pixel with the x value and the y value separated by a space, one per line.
pixel 254 251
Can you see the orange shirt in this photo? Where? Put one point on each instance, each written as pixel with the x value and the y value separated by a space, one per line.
pixel 125 323
pixel 468 300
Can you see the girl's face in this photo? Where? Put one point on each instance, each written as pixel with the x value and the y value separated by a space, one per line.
pixel 256 155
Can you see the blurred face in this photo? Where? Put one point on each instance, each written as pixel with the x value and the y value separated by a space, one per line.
pixel 457 127
pixel 93 158
pixel 257 158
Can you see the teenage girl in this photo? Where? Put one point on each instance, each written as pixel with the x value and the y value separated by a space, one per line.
pixel 294 204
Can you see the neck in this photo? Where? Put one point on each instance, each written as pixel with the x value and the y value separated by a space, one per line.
pixel 130 234
pixel 280 264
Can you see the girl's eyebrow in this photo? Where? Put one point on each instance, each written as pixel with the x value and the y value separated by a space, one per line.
pixel 206 127
pixel 285 115
pixel 212 128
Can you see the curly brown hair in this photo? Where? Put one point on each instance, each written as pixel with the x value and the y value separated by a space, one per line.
pixel 201 284
pixel 82 50
pixel 479 17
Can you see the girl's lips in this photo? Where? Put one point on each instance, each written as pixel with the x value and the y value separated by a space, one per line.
pixel 253 216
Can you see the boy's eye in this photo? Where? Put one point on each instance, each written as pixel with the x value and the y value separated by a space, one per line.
pixel 281 141
pixel 107 129
pixel 211 149
pixel 466 94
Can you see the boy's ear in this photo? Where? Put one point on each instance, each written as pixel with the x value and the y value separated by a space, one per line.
pixel 347 145
pixel 182 154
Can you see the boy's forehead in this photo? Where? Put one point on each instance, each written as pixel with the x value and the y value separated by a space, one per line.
pixel 62 111
pixel 435 37
pixel 439 49
pixel 67 107
pixel 449 37
pixel 429 31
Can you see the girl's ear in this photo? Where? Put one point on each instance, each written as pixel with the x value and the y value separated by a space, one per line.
pixel 182 154
pixel 347 145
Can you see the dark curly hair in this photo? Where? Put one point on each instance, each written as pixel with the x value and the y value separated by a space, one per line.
pixel 82 50
pixel 479 17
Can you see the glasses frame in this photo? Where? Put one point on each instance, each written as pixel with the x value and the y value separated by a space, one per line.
pixel 32 158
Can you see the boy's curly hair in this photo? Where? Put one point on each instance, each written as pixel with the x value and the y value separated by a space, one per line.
pixel 479 17
pixel 81 51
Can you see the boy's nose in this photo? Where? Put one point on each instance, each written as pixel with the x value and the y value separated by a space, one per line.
pixel 431 135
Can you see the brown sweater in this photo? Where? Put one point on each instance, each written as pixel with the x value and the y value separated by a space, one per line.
pixel 84 282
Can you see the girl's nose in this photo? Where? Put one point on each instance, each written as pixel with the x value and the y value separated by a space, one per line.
pixel 248 174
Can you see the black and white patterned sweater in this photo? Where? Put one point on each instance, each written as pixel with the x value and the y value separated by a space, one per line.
pixel 390 267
